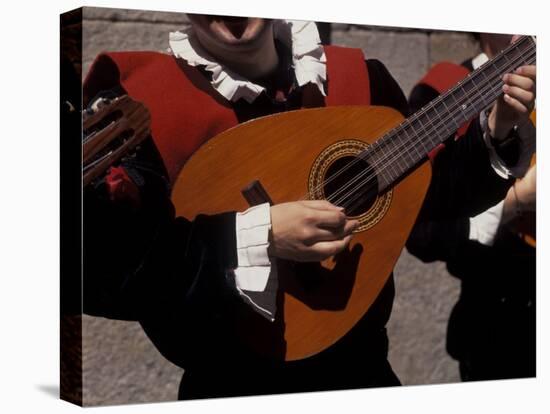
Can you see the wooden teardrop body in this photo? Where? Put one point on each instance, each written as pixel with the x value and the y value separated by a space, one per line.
pixel 280 151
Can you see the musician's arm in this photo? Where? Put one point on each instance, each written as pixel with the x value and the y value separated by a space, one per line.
pixel 456 169
pixel 442 225
pixel 464 200
pixel 146 171
pixel 137 255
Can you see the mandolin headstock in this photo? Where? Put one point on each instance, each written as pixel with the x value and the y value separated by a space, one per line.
pixel 112 129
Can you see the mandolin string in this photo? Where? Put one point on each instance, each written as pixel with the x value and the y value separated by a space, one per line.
pixel 495 88
pixel 362 194
pixel 427 132
pixel 382 141
pixel 340 200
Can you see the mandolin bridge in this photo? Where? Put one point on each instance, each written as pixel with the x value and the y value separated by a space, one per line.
pixel 256 194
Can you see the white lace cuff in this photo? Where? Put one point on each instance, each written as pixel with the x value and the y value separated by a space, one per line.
pixel 252 228
pixel 527 147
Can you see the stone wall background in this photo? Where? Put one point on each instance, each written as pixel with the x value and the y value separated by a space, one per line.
pixel 121 365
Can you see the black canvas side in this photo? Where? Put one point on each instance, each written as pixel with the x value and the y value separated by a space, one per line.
pixel 71 206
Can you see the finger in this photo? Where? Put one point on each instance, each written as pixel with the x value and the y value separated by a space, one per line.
pixel 326 249
pixel 327 218
pixel 527 98
pixel 515 104
pixel 520 81
pixel 529 71
pixel 328 234
pixel 321 205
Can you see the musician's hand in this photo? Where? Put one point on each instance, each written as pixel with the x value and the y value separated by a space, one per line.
pixel 308 231
pixel 514 107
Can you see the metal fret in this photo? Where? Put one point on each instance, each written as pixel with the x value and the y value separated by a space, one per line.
pixel 449 112
pixel 404 129
pixel 444 134
pixel 407 150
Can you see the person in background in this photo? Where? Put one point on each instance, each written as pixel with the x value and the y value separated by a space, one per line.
pixel 491 329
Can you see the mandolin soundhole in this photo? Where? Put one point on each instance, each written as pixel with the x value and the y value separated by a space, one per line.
pixel 351 183
pixel 345 180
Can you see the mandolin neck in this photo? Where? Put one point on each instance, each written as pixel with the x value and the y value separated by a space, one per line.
pixel 404 147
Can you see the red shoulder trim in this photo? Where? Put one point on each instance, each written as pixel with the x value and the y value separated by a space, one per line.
pixel 184 109
pixel 347 76
pixel 442 76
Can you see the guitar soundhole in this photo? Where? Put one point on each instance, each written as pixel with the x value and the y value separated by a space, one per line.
pixel 351 183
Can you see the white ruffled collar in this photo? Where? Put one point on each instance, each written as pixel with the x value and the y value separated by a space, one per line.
pixel 308 59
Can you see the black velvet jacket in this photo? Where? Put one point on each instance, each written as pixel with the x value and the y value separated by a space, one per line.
pixel 491 330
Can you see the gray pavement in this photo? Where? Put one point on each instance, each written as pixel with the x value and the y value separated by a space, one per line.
pixel 122 366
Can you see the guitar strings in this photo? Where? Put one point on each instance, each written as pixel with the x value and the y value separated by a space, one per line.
pixel 362 183
pixel 379 144
pixel 442 121
pixel 495 88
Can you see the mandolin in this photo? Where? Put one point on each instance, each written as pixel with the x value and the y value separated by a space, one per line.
pixel 367 159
